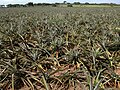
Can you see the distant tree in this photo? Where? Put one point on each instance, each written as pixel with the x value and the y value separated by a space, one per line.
pixel 76 3
pixel 69 5
pixel 104 3
pixel 54 5
pixel 112 4
pixel 87 3
pixel 9 5
pixel 57 3
pixel 30 4
pixel 64 2
pixel 46 4
pixel 2 6
pixel 37 4
pixel 22 5
pixel 16 5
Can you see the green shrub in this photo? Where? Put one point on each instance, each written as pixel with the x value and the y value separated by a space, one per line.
pixel 69 5
pixel 54 5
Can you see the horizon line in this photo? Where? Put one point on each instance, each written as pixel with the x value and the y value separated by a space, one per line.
pixel 62 2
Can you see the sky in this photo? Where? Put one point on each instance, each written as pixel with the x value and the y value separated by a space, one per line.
pixel 53 1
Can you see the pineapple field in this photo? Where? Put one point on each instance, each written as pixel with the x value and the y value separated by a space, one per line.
pixel 60 48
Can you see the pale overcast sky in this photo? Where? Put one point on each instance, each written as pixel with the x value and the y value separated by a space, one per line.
pixel 52 1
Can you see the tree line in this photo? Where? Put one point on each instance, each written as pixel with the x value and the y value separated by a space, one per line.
pixel 31 4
